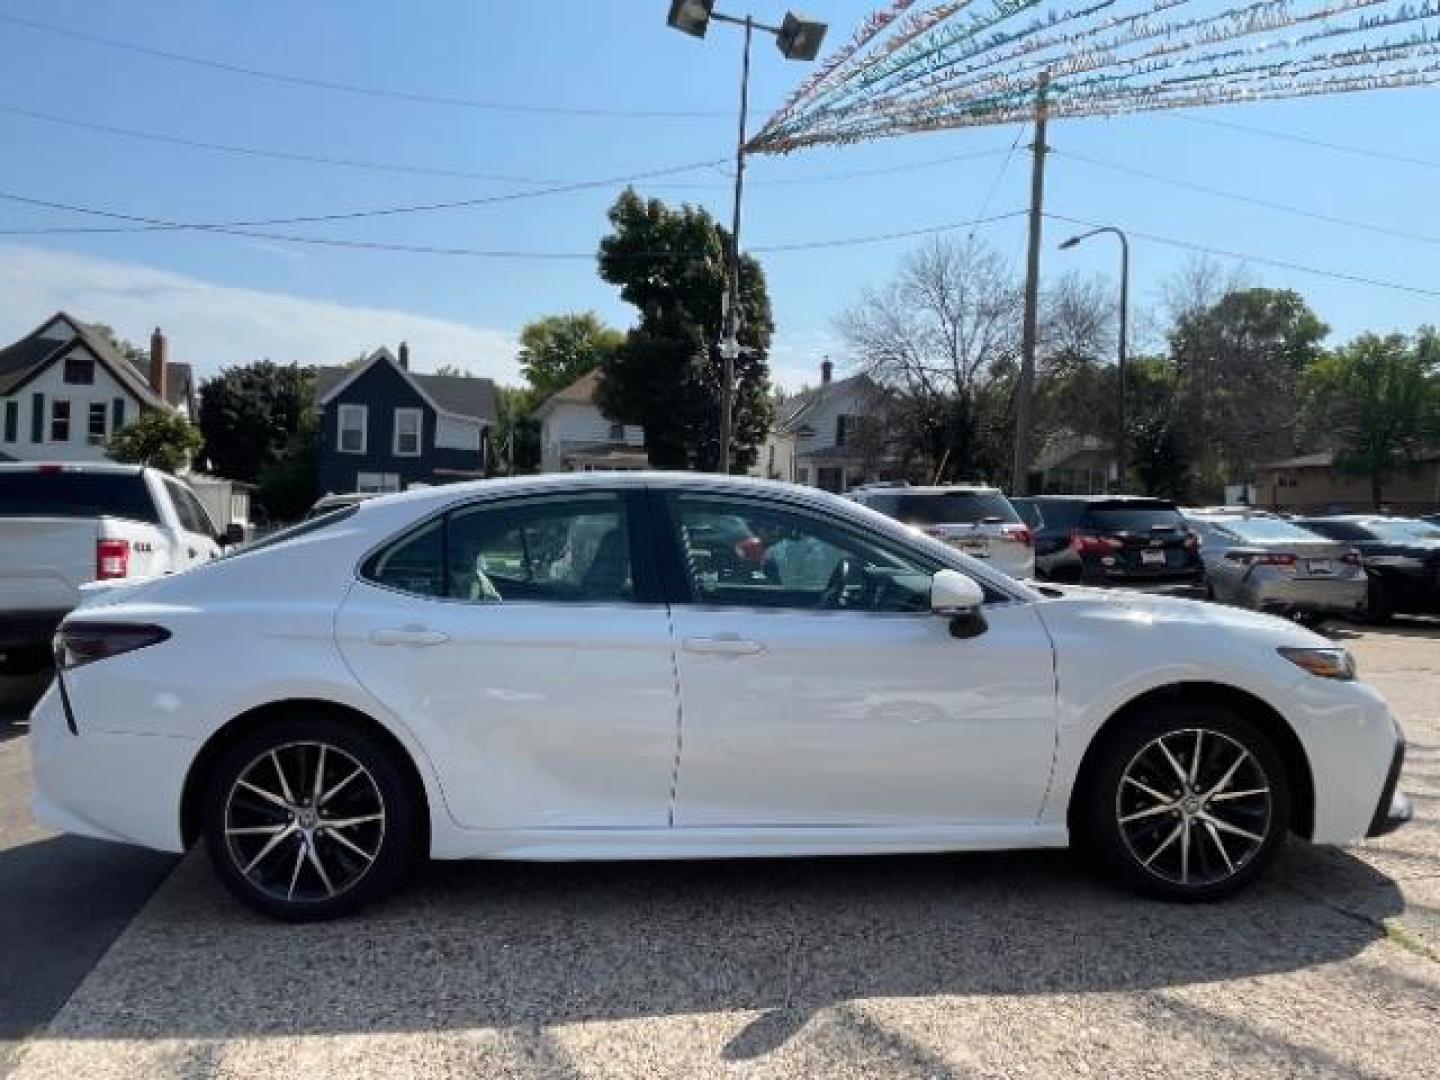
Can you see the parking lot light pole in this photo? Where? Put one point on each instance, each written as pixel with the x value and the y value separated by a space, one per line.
pixel 798 38
pixel 1122 429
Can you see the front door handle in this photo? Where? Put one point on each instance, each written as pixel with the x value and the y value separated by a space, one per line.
pixel 408 635
pixel 722 645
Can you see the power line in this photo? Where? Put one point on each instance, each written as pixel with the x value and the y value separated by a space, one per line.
pixel 1306 140
pixel 1338 275
pixel 1000 173
pixel 314 83
pixel 148 224
pixel 1237 196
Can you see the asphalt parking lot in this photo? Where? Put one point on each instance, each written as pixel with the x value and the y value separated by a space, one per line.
pixel 956 966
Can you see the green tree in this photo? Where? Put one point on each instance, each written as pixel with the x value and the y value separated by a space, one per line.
pixel 289 485
pixel 248 414
pixel 159 438
pixel 558 349
pixel 1161 453
pixel 516 440
pixel 1378 399
pixel 671 265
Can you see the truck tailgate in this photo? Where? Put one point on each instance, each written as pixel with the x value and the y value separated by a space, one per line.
pixel 44 561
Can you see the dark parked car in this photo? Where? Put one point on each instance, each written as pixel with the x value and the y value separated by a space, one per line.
pixel 1111 540
pixel 1400 555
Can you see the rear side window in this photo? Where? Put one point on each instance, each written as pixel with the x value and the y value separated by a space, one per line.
pixel 76 494
pixel 951 507
pixel 556 550
pixel 1133 517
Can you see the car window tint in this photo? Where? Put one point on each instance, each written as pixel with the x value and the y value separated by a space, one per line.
pixel 1129 517
pixel 1338 530
pixel 1058 513
pixel 415 564
pixel 198 514
pixel 1029 513
pixel 183 511
pixel 62 493
pixel 565 550
pixel 758 555
pixel 952 507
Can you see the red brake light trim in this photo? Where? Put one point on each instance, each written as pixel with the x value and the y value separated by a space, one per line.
pixel 1018 533
pixel 112 559
pixel 1089 544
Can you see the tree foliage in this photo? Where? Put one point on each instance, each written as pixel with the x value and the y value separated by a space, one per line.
pixel 671 265
pixel 516 441
pixel 249 413
pixel 1379 400
pixel 160 438
pixel 558 349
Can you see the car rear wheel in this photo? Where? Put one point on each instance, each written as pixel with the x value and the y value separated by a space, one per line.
pixel 1188 803
pixel 309 818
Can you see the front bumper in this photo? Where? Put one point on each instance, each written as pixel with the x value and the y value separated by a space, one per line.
pixel 1393 809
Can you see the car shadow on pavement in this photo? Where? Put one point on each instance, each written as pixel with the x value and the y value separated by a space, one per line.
pixel 1399 626
pixel 519 946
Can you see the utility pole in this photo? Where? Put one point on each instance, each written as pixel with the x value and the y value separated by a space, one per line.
pixel 730 338
pixel 1025 392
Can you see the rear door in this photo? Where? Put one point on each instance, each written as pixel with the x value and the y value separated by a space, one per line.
pixel 525 643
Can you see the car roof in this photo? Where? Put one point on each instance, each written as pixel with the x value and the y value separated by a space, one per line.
pixel 933 489
pixel 112 467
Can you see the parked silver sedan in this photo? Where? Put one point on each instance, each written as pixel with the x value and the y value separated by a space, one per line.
pixel 1267 564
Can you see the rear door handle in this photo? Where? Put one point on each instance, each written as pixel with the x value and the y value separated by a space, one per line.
pixel 408 635
pixel 723 645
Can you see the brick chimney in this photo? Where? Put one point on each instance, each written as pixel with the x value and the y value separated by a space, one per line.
pixel 159 360
pixel 405 356
pixel 826 370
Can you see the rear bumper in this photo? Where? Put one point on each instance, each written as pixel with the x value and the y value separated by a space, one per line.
pixel 27 629
pixel 1393 809
pixel 1340 595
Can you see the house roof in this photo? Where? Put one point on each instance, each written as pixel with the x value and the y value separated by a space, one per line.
pixel 580 392
pixel 796 407
pixel 470 397
pixel 26 358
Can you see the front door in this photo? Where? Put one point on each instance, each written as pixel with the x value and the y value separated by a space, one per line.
pixel 817 688
pixel 515 638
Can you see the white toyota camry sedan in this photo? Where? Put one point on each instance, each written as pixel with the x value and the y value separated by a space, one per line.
pixel 651 666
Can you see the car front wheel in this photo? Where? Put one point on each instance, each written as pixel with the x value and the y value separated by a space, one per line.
pixel 309 818
pixel 1189 803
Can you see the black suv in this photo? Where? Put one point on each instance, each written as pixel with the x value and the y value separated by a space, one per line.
pixel 1111 540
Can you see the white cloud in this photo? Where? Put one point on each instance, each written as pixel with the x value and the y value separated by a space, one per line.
pixel 213 326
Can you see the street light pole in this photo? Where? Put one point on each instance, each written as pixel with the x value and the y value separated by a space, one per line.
pixel 798 38
pixel 1122 435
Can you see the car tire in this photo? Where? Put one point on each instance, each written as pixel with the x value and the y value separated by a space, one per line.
pixel 310 817
pixel 1165 835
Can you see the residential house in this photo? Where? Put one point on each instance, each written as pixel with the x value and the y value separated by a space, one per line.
pixel 65 389
pixel 1074 464
pixel 1310 484
pixel 575 436
pixel 814 440
pixel 386 428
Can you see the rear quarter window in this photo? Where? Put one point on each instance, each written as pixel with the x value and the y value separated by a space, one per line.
pixel 76 494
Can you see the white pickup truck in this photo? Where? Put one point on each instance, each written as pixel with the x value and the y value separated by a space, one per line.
pixel 62 526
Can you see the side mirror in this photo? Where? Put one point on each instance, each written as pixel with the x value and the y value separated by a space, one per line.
pixel 234 534
pixel 960 598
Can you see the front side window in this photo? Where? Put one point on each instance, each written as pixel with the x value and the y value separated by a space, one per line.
pixel 552 550
pixel 758 555
pixel 407 432
pixel 352 429
pixel 95 424
pixel 60 421
pixel 79 370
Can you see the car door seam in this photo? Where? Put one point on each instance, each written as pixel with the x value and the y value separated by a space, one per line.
pixel 679 716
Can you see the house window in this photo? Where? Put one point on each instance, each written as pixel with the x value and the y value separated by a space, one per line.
pixel 802 474
pixel 617 432
pixel 407 432
pixel 79 370
pixel 95 430
pixel 117 414
pixel 12 421
pixel 841 424
pixel 37 418
pixel 60 421
pixel 377 483
pixel 352 429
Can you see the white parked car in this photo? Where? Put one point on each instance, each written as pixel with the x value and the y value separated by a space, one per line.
pixel 616 666
pixel 63 526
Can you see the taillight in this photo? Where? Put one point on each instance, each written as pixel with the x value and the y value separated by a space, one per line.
pixel 82 643
pixel 1020 534
pixel 112 559
pixel 1192 541
pixel 1089 544
pixel 1351 558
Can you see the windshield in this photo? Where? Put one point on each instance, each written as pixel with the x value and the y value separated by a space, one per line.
pixel 58 493
pixel 945 507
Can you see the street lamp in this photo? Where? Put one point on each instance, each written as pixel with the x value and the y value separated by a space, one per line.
pixel 1074 241
pixel 798 38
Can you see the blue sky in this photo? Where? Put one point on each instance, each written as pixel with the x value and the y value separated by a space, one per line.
pixel 227 299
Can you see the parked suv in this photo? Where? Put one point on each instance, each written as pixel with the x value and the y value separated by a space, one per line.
pixel 1112 540
pixel 976 520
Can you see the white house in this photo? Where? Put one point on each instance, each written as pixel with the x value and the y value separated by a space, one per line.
pixel 575 436
pixel 813 439
pixel 64 390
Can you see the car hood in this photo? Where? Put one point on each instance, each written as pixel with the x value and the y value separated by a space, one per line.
pixel 1164 613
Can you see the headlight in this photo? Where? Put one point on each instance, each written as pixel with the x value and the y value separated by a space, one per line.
pixel 1326 663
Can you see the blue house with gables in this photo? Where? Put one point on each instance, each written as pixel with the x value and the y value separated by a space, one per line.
pixel 385 427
